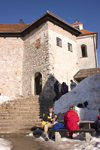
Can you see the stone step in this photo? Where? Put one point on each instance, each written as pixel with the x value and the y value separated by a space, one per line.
pixel 18 117
pixel 22 114
pixel 5 122
pixel 9 111
pixel 28 106
pixel 19 133
pixel 16 114
pixel 21 126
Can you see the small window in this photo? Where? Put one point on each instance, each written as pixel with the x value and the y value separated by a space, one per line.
pixel 77 27
pixel 59 42
pixel 84 50
pixel 37 44
pixel 70 47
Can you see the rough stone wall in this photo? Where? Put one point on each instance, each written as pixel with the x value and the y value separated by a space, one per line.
pixel 11 57
pixel 86 62
pixel 36 59
pixel 38 52
pixel 63 63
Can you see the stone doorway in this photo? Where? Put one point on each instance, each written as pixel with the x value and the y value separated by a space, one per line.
pixel 38 83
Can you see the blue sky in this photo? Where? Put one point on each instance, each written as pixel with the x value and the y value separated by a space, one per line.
pixel 86 11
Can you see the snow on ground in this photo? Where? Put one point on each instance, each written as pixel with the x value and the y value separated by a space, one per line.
pixel 86 90
pixel 4 99
pixel 5 145
pixel 77 143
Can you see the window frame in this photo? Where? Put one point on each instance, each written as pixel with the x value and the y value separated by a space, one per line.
pixel 84 51
pixel 69 44
pixel 57 42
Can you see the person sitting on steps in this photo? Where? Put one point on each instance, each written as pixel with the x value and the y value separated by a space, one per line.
pixel 49 119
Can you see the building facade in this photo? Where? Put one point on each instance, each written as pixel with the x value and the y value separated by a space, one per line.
pixel 33 56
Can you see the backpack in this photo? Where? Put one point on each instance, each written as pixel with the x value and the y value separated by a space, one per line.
pixel 59 126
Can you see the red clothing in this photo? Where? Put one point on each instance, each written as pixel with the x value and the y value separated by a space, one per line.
pixel 71 118
pixel 98 117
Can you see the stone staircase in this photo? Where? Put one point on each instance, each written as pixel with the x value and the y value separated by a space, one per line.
pixel 20 115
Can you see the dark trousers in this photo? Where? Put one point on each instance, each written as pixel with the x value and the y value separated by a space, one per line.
pixel 57 94
pixel 96 127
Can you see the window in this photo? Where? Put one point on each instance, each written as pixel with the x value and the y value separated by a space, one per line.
pixel 70 47
pixel 84 50
pixel 77 27
pixel 37 44
pixel 59 42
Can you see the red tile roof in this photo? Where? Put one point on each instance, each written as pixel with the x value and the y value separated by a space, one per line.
pixel 20 27
pixel 76 23
pixel 59 18
pixel 13 27
pixel 86 32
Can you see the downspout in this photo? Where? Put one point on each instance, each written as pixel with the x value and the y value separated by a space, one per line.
pixel 95 52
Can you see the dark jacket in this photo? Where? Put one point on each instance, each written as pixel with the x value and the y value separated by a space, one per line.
pixel 56 87
pixel 98 125
pixel 46 117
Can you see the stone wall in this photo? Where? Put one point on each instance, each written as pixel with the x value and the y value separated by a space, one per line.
pixel 37 52
pixel 36 59
pixel 11 57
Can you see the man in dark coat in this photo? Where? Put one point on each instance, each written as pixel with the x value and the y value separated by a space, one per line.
pixel 96 125
pixel 56 89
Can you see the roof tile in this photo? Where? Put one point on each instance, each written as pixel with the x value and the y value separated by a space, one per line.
pixel 13 27
pixel 86 32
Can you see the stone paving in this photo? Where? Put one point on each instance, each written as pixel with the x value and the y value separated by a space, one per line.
pixel 29 143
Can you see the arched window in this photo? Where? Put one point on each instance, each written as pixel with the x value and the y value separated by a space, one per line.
pixel 38 83
pixel 84 50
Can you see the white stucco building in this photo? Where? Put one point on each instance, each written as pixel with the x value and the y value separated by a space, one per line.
pixel 33 56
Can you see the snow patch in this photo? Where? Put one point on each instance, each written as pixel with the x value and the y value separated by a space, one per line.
pixel 5 145
pixel 4 99
pixel 86 90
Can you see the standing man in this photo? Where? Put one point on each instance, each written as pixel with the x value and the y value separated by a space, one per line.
pixel 72 85
pixel 56 89
pixel 49 119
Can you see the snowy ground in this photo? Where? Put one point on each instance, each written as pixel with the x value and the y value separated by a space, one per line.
pixel 86 90
pixel 5 145
pixel 78 143
pixel 4 99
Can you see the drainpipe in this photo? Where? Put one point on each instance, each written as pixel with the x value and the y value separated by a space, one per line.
pixel 95 51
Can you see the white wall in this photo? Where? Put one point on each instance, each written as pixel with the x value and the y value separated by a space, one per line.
pixel 86 62
pixel 64 64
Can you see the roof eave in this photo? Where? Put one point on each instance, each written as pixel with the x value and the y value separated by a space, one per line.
pixel 88 34
pixel 46 17
pixel 10 34
pixel 65 23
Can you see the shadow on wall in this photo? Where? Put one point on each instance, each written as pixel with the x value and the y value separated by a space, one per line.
pixel 46 93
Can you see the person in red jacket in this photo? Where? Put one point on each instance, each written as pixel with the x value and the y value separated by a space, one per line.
pixel 71 118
